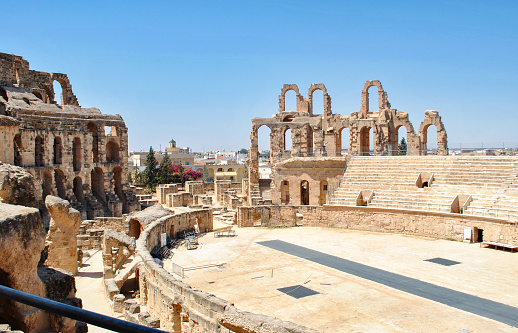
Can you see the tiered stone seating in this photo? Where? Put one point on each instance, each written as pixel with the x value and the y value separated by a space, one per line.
pixel 491 181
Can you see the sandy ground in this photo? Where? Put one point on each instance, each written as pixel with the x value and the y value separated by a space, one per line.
pixel 251 274
pixel 90 288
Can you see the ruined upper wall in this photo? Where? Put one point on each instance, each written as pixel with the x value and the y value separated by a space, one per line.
pixel 15 72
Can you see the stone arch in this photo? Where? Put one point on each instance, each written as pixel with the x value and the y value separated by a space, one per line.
pixel 340 141
pixel 46 184
pixel 285 192
pixel 135 228
pixel 78 189
pixel 304 192
pixel 117 182
pixel 112 151
pixel 323 192
pixel 230 170
pixel 92 128
pixel 326 99
pixel 59 179
pixel 287 140
pixel 364 135
pixel 77 153
pixel 282 96
pixel 17 146
pixel 61 94
pixel 432 118
pixel 382 98
pixel 97 186
pixel 58 150
pixel 49 95
pixel 39 151
pixel 37 94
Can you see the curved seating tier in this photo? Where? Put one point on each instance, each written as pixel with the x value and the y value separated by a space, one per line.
pixel 491 181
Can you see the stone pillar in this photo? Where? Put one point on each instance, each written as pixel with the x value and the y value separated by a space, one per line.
pixel 62 236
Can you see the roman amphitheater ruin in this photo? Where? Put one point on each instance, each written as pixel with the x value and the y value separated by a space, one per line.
pixel 76 153
pixel 222 257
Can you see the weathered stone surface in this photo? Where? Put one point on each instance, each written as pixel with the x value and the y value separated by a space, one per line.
pixel 22 238
pixel 62 236
pixel 149 214
pixel 246 322
pixel 16 186
pixel 59 284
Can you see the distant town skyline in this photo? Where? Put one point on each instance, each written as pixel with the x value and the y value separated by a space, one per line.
pixel 199 71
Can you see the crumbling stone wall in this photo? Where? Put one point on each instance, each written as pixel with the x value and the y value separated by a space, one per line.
pixel 162 190
pixel 62 235
pixel 65 147
pixel 321 135
pixel 22 240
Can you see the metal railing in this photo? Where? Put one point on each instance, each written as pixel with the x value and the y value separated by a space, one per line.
pixel 78 314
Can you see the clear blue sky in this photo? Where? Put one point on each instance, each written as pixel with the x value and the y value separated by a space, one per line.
pixel 198 71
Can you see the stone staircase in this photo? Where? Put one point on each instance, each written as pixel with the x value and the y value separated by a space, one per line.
pixel 491 181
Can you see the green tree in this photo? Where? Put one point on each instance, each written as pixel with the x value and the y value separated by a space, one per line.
pixel 151 172
pixel 402 148
pixel 243 151
pixel 164 173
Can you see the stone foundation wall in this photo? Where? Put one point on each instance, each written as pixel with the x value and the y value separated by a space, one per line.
pixel 419 223
pixel 179 199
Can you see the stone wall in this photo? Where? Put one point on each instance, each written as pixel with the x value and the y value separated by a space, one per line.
pixel 162 190
pixel 183 309
pixel 194 187
pixel 418 223
pixel 182 199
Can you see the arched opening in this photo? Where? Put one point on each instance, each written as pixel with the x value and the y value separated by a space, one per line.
pixel 92 128
pixel 285 192
pixel 112 151
pixel 117 179
pixel 430 140
pixel 37 94
pixel 78 189
pixel 48 94
pixel 287 142
pixel 308 143
pixel 211 174
pixel 17 145
pixel 290 101
pixel 230 170
pixel 288 119
pixel 263 138
pixel 57 150
pixel 373 99
pixel 58 92
pixel 98 184
pixel 401 147
pixel 3 108
pixel 365 141
pixel 76 154
pixel 344 141
pixel 39 151
pixel 323 192
pixel 304 192
pixel 317 102
pixel 220 170
pixel 59 179
pixel 46 184
pixel 134 228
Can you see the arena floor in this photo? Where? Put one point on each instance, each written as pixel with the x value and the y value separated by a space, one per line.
pixel 261 279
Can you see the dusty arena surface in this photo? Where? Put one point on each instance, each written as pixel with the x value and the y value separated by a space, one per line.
pixel 250 275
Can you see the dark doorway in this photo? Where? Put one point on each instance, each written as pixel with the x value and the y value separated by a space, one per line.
pixel 480 235
pixel 304 192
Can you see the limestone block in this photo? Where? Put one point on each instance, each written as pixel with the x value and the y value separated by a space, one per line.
pixel 118 303
pixel 16 186
pixel 62 237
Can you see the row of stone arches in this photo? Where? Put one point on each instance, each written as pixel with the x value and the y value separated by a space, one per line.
pixel 97 184
pixel 302 104
pixel 367 138
pixel 112 152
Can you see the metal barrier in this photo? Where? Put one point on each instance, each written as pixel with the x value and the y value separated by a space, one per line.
pixel 69 311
